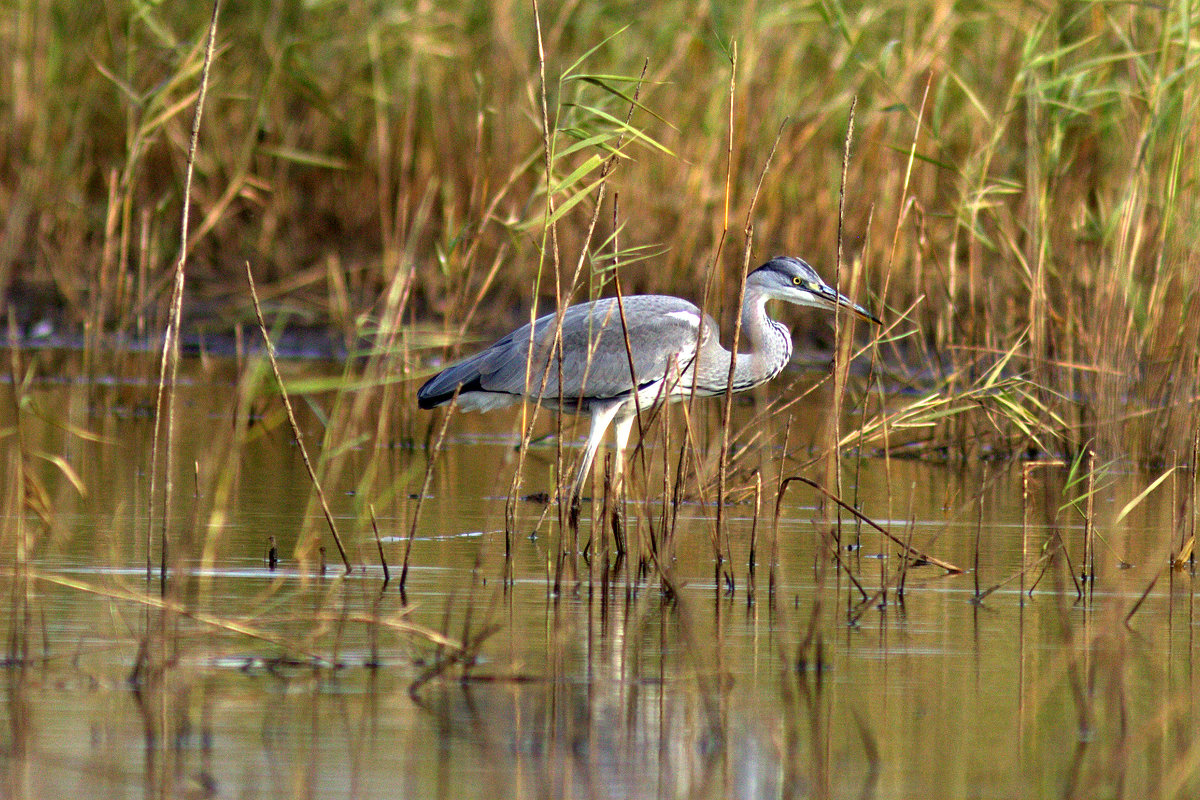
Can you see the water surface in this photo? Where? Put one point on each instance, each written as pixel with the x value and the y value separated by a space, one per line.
pixel 581 677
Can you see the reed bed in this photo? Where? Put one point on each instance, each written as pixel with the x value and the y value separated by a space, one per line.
pixel 1019 180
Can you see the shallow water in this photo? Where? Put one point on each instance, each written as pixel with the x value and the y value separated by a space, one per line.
pixel 289 682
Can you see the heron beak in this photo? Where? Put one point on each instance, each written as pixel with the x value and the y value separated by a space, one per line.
pixel 834 299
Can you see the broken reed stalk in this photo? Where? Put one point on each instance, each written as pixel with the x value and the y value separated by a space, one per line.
pixel 1027 471
pixel 922 556
pixel 169 365
pixel 879 599
pixel 1061 546
pixel 1044 559
pixel 291 415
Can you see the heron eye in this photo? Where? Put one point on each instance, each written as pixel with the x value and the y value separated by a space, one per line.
pixel 798 281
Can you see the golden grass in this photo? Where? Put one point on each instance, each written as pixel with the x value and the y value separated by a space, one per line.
pixel 1049 210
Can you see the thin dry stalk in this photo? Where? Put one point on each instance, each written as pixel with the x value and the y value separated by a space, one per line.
pixel 830 546
pixel 670 505
pixel 921 556
pixel 606 500
pixel 169 365
pixel 978 533
pixel 885 430
pixel 22 589
pixel 773 564
pixel 1187 546
pixel 708 285
pixel 912 526
pixel 379 545
pixel 981 596
pixel 840 368
pixel 1089 525
pixel 727 410
pixel 412 529
pixel 297 434
pixel 549 232
pixel 751 559
pixel 609 163
pixel 148 601
pixel 1025 511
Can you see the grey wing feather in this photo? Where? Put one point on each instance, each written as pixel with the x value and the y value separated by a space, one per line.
pixel 660 328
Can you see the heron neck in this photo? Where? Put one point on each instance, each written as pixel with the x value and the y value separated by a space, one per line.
pixel 770 345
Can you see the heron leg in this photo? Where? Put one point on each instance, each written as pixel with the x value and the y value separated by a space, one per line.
pixel 624 426
pixel 602 417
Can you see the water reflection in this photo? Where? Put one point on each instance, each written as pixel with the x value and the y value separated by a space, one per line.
pixel 247 681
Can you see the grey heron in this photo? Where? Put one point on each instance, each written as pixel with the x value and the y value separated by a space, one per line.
pixel 673 348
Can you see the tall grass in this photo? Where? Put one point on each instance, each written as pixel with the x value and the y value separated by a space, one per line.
pixel 1048 217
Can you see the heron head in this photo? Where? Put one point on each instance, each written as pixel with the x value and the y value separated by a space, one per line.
pixel 792 279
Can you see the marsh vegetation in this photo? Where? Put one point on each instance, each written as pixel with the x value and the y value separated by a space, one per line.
pixel 951 556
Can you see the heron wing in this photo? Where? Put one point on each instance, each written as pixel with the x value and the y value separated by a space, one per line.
pixel 595 364
pixel 598 362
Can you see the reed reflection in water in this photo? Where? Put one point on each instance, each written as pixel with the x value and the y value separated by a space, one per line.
pixel 247 681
